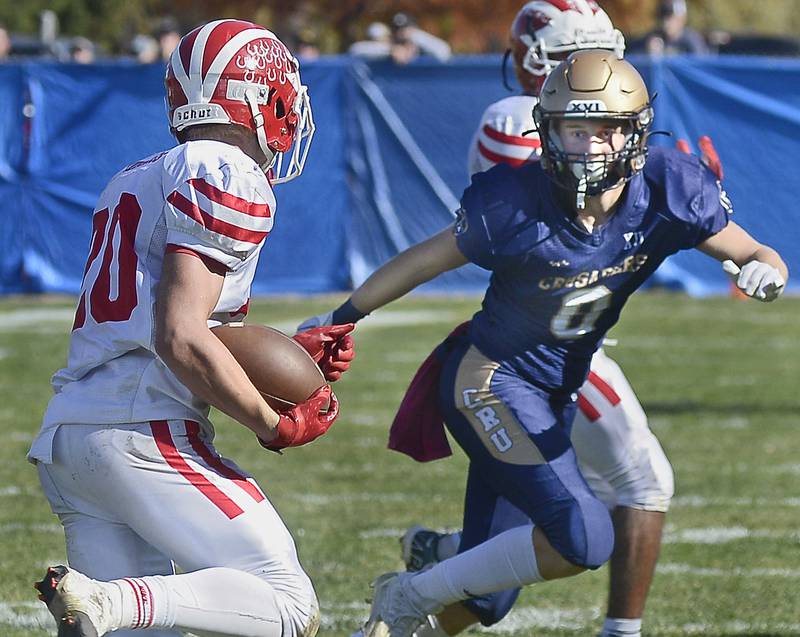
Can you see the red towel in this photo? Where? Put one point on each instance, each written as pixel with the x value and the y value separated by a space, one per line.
pixel 418 427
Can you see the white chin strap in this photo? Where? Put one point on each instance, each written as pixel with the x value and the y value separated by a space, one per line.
pixel 275 167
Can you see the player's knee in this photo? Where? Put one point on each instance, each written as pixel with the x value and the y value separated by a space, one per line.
pixel 311 626
pixel 305 618
pixel 653 486
pixel 586 534
pixel 490 609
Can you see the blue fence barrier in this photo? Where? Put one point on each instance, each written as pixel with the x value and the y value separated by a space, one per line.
pixel 386 168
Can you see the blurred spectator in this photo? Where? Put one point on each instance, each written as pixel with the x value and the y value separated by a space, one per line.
pixel 5 43
pixel 409 41
pixel 146 49
pixel 82 50
pixel 306 47
pixel 377 45
pixel 673 36
pixel 168 34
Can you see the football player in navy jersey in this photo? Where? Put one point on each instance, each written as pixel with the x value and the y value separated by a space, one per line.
pixel 567 240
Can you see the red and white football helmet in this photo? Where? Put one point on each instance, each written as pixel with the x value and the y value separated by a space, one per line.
pixel 544 32
pixel 236 72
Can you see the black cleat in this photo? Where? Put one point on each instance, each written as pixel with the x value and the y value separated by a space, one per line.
pixel 70 622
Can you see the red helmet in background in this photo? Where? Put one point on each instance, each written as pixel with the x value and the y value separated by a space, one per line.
pixel 236 72
pixel 544 32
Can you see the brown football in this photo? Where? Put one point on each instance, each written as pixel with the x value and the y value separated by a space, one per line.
pixel 277 365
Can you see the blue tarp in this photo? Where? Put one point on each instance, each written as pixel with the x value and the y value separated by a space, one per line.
pixel 386 168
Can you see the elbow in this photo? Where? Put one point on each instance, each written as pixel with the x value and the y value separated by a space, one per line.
pixel 170 344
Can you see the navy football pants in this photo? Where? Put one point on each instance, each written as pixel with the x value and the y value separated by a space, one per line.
pixel 522 466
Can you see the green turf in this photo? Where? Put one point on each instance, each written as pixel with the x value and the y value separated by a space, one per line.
pixel 718 378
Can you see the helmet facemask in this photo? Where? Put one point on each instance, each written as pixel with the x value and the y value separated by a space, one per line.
pixel 297 124
pixel 589 174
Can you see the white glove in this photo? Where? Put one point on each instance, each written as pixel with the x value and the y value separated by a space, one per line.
pixel 316 321
pixel 756 279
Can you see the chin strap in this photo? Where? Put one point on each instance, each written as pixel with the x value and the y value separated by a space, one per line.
pixel 580 193
pixel 258 119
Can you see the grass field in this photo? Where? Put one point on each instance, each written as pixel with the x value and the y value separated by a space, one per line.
pixel 718 378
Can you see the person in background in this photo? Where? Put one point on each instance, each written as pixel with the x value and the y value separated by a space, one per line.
pixel 378 44
pixel 82 50
pixel 5 43
pixel 409 41
pixel 146 49
pixel 673 36
pixel 168 34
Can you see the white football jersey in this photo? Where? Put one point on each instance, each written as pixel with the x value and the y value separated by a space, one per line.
pixel 506 135
pixel 206 196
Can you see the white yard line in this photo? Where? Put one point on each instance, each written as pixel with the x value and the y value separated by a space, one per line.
pixel 699 501
pixel 699 571
pixel 35 317
pixel 26 615
pixel 722 535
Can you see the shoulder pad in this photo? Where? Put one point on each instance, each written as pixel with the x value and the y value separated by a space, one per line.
pixel 218 195
pixel 507 134
pixel 679 179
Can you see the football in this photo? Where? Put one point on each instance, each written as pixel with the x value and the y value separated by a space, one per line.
pixel 277 365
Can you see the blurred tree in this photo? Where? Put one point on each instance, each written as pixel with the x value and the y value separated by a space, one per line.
pixel 469 25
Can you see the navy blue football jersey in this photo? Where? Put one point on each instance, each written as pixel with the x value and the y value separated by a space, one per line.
pixel 556 288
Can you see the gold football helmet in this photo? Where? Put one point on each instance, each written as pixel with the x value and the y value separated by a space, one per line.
pixel 596 85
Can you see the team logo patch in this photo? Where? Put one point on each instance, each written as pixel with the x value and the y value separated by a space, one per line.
pixel 461 222
pixel 724 200
pixel 633 239
pixel 586 107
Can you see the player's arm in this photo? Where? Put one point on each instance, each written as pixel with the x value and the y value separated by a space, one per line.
pixel 188 292
pixel 409 269
pixel 762 273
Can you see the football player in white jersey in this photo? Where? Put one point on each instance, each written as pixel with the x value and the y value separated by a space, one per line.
pixel 619 455
pixel 125 453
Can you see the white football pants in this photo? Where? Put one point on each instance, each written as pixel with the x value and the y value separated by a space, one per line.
pixel 619 456
pixel 136 499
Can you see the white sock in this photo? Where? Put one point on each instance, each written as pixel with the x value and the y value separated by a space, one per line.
pixel 504 561
pixel 613 627
pixel 448 546
pixel 213 600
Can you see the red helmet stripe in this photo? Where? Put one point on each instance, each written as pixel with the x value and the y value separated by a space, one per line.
pixel 217 39
pixel 185 48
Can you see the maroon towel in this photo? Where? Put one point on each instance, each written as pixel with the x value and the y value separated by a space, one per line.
pixel 418 427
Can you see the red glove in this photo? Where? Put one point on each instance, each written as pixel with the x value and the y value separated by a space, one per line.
pixel 331 347
pixel 708 154
pixel 305 421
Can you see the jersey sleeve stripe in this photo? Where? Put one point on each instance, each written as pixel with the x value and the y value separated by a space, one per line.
pixel 513 140
pixel 212 193
pixel 498 158
pixel 604 388
pixel 588 409
pixel 214 224
pixel 173 457
pixel 212 264
pixel 216 463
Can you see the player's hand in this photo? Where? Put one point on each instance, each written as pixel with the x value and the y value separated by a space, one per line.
pixel 756 279
pixel 319 320
pixel 306 421
pixel 331 347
